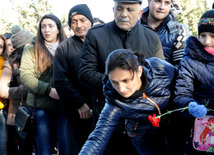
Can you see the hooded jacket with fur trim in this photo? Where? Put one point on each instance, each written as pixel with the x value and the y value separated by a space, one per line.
pixel 195 81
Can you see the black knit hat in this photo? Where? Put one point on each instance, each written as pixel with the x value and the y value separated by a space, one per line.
pixel 52 17
pixel 206 22
pixel 80 9
pixel 129 1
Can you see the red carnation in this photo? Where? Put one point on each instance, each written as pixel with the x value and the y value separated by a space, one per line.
pixel 154 120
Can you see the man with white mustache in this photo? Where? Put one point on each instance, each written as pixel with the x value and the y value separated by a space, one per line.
pixel 125 32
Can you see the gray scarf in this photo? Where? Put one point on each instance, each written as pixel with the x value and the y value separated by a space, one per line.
pixel 52 47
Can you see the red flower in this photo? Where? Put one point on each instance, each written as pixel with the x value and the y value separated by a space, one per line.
pixel 154 121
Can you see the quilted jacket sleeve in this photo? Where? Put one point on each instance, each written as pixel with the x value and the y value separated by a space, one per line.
pixel 184 84
pixel 98 139
pixel 179 44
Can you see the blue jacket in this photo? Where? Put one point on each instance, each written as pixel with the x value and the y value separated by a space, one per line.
pixel 172 36
pixel 159 75
pixel 195 81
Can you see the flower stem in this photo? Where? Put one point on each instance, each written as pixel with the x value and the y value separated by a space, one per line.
pixel 210 109
pixel 169 112
pixel 180 109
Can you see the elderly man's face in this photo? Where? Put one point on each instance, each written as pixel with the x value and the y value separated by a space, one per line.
pixel 126 15
pixel 80 25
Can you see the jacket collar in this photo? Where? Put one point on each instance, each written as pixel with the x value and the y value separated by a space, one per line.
pixel 167 22
pixel 118 30
pixel 77 38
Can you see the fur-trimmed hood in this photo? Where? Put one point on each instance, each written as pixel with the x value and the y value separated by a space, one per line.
pixel 196 50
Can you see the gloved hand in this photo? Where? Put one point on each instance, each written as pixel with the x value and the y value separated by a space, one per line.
pixel 197 110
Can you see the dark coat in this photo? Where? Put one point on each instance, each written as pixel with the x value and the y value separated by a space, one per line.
pixel 159 75
pixel 66 68
pixel 172 36
pixel 195 81
pixel 103 39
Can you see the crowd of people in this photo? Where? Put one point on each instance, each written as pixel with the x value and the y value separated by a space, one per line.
pixel 106 88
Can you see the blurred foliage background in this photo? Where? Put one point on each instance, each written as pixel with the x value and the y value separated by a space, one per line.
pixel 192 10
pixel 28 14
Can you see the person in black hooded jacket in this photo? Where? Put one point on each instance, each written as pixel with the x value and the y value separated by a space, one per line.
pixel 195 84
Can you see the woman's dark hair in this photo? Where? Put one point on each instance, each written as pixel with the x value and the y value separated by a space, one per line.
pixel 42 55
pixel 124 59
pixel 5 48
pixel 15 57
pixel 206 22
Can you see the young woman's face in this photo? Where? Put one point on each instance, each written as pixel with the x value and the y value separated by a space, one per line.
pixel 10 47
pixel 49 30
pixel 1 46
pixel 207 39
pixel 125 82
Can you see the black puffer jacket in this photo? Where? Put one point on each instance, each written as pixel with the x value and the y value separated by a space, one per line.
pixel 159 75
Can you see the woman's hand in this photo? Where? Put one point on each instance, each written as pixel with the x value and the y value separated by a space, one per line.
pixel 53 94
